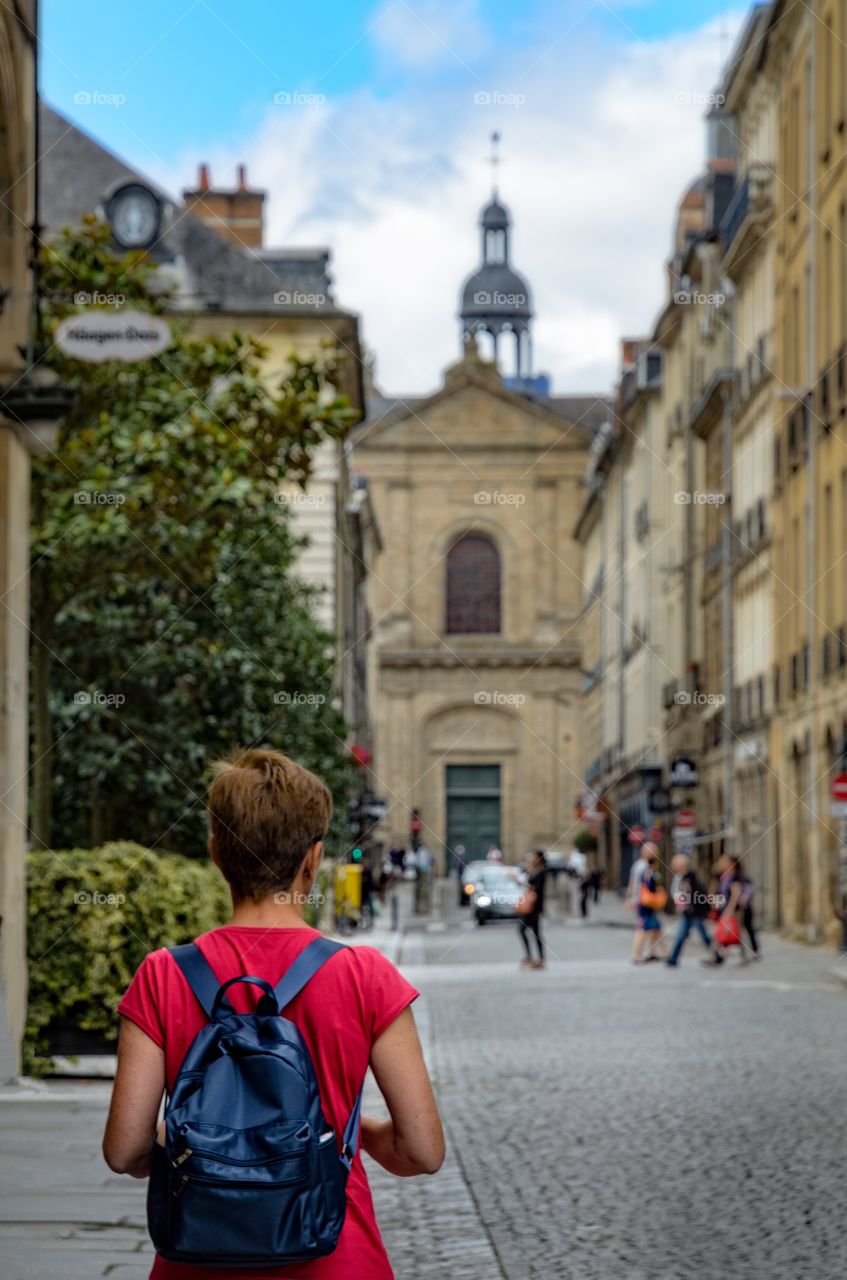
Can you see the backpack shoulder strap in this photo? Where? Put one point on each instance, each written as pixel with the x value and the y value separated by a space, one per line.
pixel 310 959
pixel 198 974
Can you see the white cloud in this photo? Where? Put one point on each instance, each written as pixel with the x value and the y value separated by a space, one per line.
pixel 430 34
pixel 596 158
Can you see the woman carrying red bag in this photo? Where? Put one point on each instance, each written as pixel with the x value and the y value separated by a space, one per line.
pixel 730 905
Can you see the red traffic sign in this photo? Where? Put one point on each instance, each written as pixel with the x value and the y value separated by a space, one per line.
pixel 637 835
pixel 686 818
pixel 838 787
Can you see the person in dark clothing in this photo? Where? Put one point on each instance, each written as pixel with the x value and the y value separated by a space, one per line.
pixel 734 895
pixel 530 921
pixel 367 890
pixel 691 902
pixel 460 863
pixel 746 904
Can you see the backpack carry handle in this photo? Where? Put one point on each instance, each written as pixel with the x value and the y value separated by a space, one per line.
pixel 267 1004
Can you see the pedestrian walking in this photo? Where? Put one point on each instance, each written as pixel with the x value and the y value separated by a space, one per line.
pixel 589 888
pixel 367 892
pixel 729 909
pixel 531 909
pixel 692 903
pixel 748 891
pixel 633 900
pixel 397 857
pixel 650 902
pixel 584 890
pixel 345 1009
pixel 459 863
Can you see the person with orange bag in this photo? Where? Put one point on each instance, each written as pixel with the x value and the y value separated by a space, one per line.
pixel 652 898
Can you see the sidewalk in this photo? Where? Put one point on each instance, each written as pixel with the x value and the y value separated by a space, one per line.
pixel 62 1213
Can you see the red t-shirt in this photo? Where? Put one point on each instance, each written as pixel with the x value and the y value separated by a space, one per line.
pixel 341 1012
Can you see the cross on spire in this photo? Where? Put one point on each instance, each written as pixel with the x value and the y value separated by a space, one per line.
pixel 495 158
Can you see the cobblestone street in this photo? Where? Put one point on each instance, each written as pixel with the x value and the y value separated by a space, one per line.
pixel 603 1122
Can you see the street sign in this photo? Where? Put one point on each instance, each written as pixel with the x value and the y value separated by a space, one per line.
pixel 838 787
pixel 637 835
pixel 659 800
pixel 128 336
pixel 838 808
pixel 684 772
pixel 686 818
pixel 683 840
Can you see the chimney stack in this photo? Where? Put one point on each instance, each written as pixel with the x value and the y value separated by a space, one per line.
pixel 237 212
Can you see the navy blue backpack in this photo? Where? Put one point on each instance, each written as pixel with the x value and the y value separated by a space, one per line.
pixel 250 1174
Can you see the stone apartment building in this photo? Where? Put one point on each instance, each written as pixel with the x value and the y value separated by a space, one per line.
pixel 752 613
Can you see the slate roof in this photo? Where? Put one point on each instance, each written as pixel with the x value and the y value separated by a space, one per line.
pixel 212 273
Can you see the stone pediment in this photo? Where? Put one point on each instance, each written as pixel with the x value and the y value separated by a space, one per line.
pixel 473 410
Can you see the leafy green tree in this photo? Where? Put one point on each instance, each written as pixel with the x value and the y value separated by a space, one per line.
pixel 167 623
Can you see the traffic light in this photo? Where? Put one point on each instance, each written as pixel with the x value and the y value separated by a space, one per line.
pixel 356 855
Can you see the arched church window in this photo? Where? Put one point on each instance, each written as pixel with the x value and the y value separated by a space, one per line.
pixel 473 586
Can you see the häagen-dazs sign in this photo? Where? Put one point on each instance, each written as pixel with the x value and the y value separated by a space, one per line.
pixel 113 335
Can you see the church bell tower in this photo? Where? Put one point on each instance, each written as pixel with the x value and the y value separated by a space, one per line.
pixel 495 299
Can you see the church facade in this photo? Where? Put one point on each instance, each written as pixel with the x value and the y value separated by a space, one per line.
pixel 475 596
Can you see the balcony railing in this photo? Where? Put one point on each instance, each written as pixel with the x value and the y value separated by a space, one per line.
pixel 752 195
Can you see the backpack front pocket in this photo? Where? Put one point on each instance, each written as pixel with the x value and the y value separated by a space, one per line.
pixel 206 1200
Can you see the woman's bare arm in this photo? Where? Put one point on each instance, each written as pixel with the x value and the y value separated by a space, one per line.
pixel 412 1141
pixel 136 1096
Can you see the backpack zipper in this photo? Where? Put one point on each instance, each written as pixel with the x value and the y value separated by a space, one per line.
pixel 221 1159
pixel 223 1182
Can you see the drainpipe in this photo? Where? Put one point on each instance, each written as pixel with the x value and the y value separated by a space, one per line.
pixel 811 495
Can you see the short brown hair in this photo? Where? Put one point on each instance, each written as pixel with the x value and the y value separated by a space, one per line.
pixel 266 811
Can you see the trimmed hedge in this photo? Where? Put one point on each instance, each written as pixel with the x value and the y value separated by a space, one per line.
pixel 93 916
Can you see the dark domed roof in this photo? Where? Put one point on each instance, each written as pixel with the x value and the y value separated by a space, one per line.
pixel 496 292
pixel 495 216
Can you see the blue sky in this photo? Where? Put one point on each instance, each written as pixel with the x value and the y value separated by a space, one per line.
pixel 201 71
pixel 387 152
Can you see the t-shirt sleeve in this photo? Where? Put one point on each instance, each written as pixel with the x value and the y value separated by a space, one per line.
pixel 142 1001
pixel 387 993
